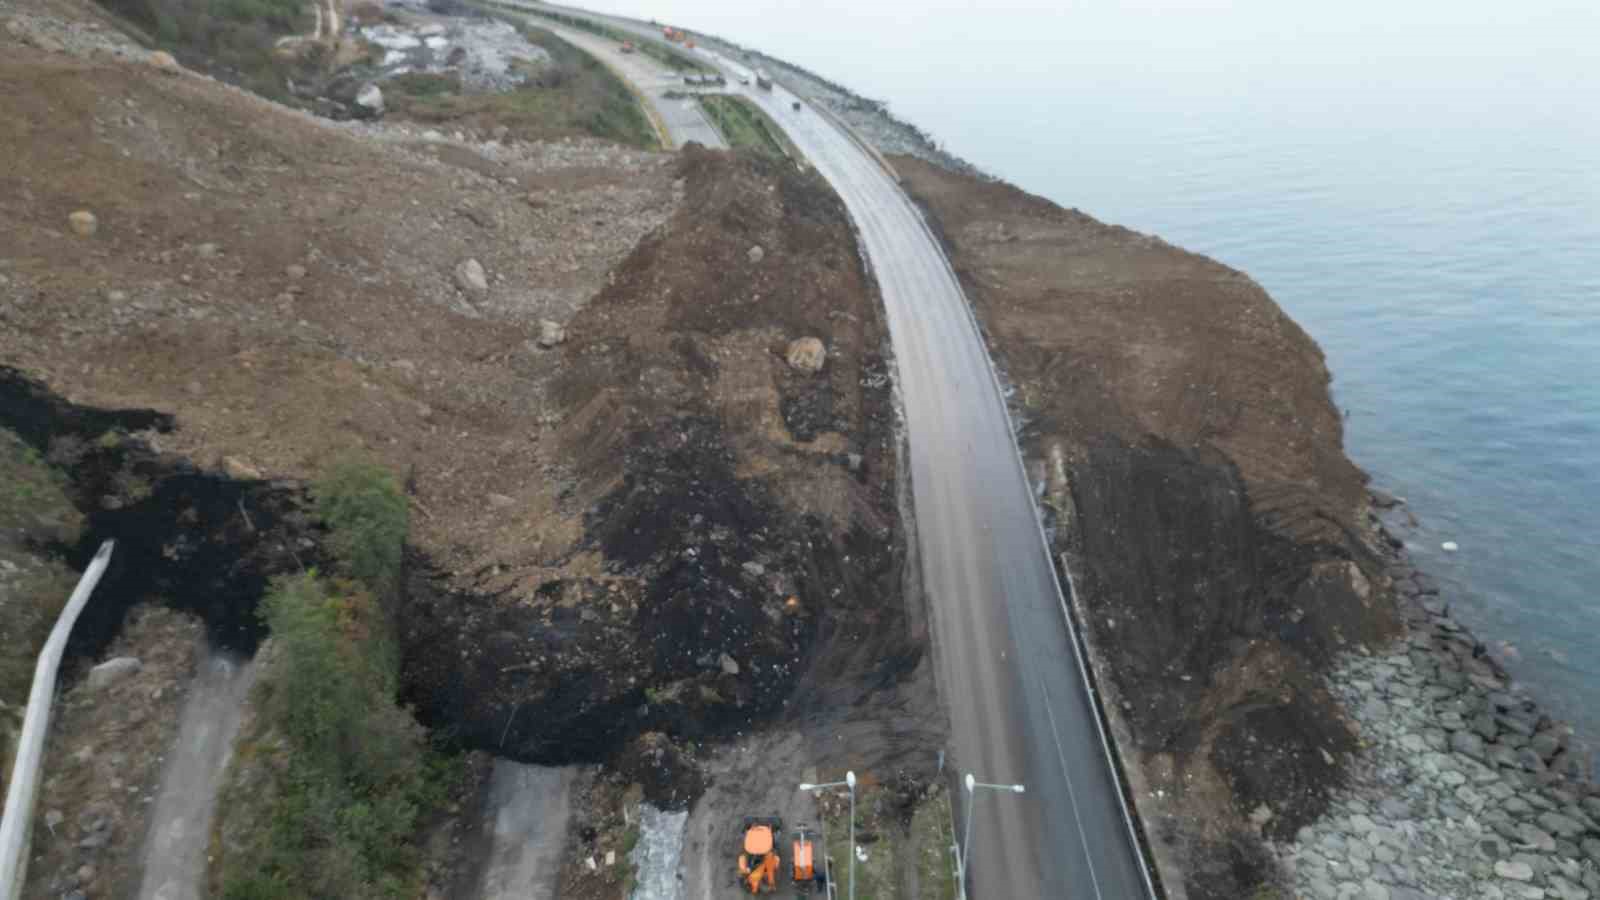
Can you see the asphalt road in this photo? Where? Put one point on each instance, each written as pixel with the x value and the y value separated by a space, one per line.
pixel 1008 665
pixel 685 121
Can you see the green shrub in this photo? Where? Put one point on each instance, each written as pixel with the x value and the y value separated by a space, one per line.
pixel 341 816
pixel 367 516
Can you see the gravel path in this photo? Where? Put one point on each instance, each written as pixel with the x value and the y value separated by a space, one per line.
pixel 179 835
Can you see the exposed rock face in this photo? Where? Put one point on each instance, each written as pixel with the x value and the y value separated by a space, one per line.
pixel 806 355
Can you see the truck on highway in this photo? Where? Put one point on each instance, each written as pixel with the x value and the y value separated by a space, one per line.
pixel 763 80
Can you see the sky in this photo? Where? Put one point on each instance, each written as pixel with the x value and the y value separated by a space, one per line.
pixel 1031 67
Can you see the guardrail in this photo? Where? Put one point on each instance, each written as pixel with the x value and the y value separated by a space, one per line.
pixel 23 789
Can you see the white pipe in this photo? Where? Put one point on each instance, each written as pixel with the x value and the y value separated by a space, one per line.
pixel 23 789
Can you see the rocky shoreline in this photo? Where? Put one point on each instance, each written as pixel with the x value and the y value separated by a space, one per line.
pixel 1465 788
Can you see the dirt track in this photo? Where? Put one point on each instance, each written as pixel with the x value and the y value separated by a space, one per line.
pixel 180 825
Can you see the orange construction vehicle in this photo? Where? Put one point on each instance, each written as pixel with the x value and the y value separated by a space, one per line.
pixel 627 47
pixel 758 863
pixel 804 860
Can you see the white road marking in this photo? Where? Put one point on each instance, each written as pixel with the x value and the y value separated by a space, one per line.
pixel 1072 795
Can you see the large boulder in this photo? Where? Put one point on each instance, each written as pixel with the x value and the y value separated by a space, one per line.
pixel 471 279
pixel 806 355
pixel 84 223
pixel 369 101
pixel 551 334
pixel 112 671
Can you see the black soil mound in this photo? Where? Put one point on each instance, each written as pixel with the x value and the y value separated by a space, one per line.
pixel 741 552
pixel 185 538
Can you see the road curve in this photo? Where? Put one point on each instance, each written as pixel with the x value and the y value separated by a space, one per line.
pixel 682 117
pixel 1008 666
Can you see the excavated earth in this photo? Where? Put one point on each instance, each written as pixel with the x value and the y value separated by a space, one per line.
pixel 1194 478
pixel 725 526
pixel 634 524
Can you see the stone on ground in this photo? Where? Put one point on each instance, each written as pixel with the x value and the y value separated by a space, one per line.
pixel 807 355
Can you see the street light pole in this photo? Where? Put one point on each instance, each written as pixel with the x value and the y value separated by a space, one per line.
pixel 850 779
pixel 849 782
pixel 963 858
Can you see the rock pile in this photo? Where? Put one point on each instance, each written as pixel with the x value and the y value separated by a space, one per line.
pixel 1467 791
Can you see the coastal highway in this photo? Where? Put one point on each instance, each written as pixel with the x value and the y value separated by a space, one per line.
pixel 1008 666
pixel 1007 662
pixel 682 117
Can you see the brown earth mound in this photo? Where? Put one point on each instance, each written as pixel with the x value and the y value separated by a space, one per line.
pixel 730 521
pixel 1199 486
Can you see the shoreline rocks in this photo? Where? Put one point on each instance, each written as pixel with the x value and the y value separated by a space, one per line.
pixel 1466 788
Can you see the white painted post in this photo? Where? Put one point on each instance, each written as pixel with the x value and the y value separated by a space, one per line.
pixel 23 790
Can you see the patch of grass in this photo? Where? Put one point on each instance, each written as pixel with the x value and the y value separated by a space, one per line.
pixel 422 84
pixel 353 773
pixel 930 835
pixel 367 518
pixel 33 508
pixel 572 95
pixel 743 125
pixel 334 778
pixel 234 39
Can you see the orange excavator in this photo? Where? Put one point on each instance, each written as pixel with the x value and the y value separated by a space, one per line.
pixel 759 863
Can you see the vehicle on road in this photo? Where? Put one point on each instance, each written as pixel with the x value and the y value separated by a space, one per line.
pixel 627 47
pixel 803 861
pixel 763 81
pixel 796 105
pixel 758 861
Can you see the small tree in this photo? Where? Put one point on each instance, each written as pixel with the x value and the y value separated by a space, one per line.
pixel 367 516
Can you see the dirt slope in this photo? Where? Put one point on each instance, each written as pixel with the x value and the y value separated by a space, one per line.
pixel 1195 476
pixel 725 525
pixel 286 288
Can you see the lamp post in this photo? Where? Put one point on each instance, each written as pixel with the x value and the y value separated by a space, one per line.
pixel 972 785
pixel 849 782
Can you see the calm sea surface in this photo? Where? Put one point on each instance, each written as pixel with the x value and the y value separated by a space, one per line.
pixel 1418 184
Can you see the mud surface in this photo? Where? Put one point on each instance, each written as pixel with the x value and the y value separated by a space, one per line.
pixel 1191 468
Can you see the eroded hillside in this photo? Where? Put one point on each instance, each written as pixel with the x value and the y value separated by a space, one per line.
pixel 1196 482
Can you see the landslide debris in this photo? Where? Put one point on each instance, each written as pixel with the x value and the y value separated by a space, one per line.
pixel 1195 477
pixel 730 541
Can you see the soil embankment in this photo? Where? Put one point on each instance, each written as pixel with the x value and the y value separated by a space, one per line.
pixel 1194 477
pixel 723 541
pixel 643 515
